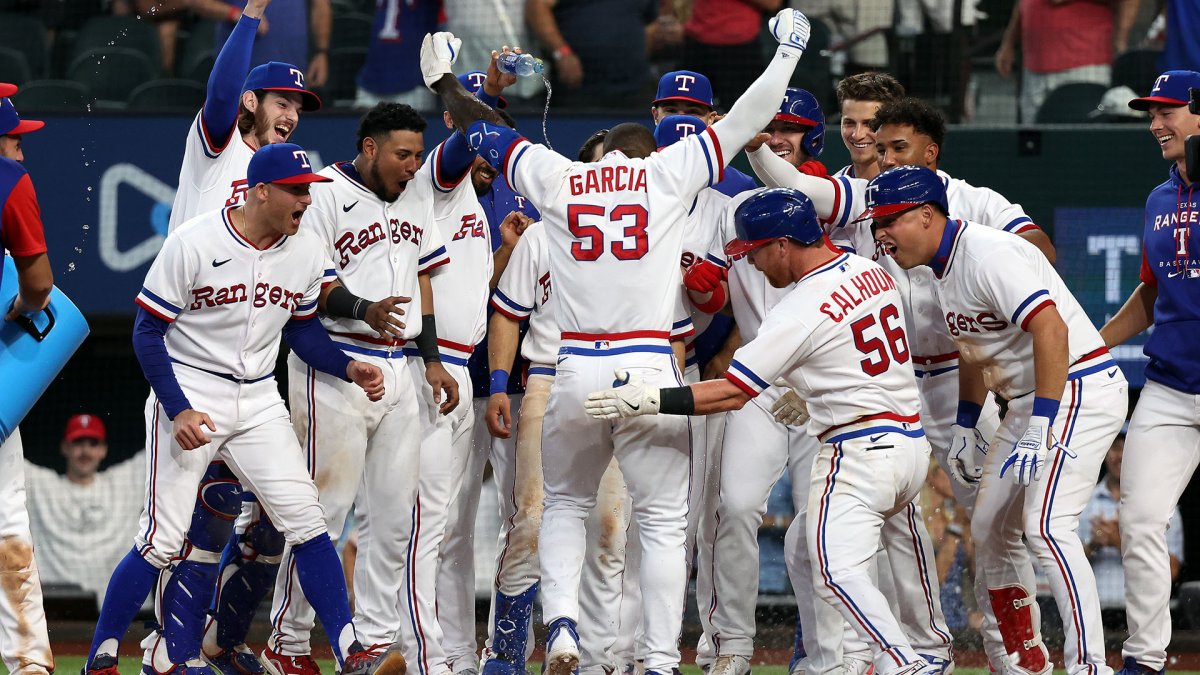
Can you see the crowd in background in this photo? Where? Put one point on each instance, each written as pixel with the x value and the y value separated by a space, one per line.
pixel 607 54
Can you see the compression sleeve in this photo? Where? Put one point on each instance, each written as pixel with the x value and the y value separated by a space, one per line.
pixel 312 344
pixel 775 171
pixel 220 112
pixel 150 347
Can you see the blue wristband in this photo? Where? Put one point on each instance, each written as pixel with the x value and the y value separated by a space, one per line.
pixel 1045 407
pixel 498 383
pixel 968 414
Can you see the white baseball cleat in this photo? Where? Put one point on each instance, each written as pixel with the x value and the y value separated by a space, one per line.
pixel 734 664
pixel 562 648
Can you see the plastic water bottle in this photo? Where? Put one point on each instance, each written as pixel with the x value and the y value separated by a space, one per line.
pixel 522 65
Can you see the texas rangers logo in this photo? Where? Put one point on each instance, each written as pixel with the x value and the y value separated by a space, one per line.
pixel 872 190
pixel 1162 79
pixel 685 129
pixel 298 76
pixel 520 202
pixel 684 82
pixel 303 157
pixel 476 80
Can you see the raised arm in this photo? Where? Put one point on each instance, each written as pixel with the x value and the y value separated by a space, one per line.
pixel 775 171
pixel 229 73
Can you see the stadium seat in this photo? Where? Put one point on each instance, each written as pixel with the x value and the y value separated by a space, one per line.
pixel 123 32
pixel 167 96
pixel 27 35
pixel 62 96
pixel 14 69
pixel 112 73
pixel 1136 69
pixel 196 54
pixel 351 30
pixel 1070 103
pixel 344 64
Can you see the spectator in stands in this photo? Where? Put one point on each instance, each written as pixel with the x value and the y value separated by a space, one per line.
pixel 1063 41
pixel 283 33
pixel 396 39
pixel 599 48
pixel 1101 534
pixel 1181 44
pixel 485 25
pixel 82 520
pixel 165 15
pixel 721 41
pixel 863 23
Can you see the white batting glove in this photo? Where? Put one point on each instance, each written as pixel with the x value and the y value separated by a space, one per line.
pixel 790 27
pixel 789 408
pixel 439 51
pixel 631 399
pixel 1028 455
pixel 966 446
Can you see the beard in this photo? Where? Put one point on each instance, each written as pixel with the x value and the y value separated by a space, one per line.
pixel 379 188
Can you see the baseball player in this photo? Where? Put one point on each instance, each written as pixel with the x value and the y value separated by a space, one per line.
pixel 859 98
pixel 1160 451
pixel 524 293
pixel 210 400
pixel 24 642
pixel 910 131
pixel 376 224
pixel 613 257
pixel 1025 338
pixel 241 113
pixel 686 92
pixel 873 456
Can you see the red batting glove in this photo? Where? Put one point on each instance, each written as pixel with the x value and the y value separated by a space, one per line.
pixel 703 276
pixel 814 168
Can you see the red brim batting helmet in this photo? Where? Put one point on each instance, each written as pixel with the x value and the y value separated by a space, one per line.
pixel 771 214
pixel 801 108
pixel 901 188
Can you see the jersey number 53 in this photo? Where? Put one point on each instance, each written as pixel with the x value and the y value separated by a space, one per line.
pixel 631 246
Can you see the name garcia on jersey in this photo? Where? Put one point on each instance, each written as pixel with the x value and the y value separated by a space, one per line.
pixel 616 178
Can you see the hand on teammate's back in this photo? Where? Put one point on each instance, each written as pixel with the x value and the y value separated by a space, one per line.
pixel 368 377
pixel 383 316
pixel 187 431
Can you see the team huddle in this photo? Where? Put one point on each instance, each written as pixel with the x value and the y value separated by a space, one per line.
pixel 884 314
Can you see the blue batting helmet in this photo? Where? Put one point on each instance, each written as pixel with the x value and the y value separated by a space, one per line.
pixel 674 128
pixel 901 188
pixel 801 107
pixel 774 213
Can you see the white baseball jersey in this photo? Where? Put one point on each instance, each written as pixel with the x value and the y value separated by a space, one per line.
pixel 523 292
pixel 377 248
pixel 226 300
pixel 616 225
pixel 838 339
pixel 933 348
pixel 211 176
pixel 460 289
pixel 990 287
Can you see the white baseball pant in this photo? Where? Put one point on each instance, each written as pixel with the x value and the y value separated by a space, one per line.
pixel 349 441
pixel 863 477
pixel 654 458
pixel 1161 453
pixel 1047 512
pixel 446 442
pixel 24 642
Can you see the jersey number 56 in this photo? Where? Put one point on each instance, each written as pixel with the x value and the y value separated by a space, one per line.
pixel 880 351
pixel 631 246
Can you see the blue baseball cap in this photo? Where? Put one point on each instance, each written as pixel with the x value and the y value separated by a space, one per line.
pixel 279 76
pixel 771 214
pixel 684 85
pixel 902 188
pixel 473 82
pixel 11 123
pixel 674 128
pixel 1170 89
pixel 285 163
